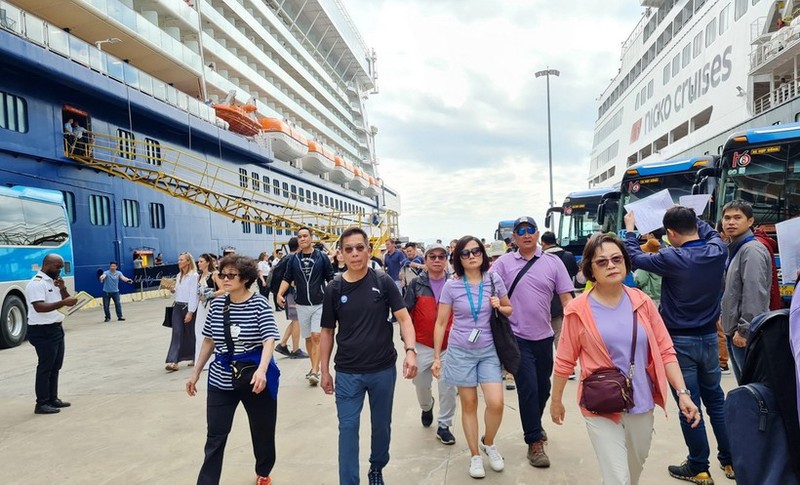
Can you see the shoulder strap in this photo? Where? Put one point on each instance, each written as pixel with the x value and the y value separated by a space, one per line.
pixel 226 324
pixel 633 345
pixel 491 281
pixel 521 274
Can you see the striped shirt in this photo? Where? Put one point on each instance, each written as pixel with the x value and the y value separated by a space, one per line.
pixel 256 324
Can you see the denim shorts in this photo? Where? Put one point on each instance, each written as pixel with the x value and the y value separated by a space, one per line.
pixel 470 367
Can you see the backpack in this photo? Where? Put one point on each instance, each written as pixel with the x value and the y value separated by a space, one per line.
pixel 338 284
pixel 769 361
pixel 775 300
pixel 276 275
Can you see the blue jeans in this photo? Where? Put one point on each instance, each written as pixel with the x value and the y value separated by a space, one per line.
pixel 737 358
pixel 350 391
pixel 107 297
pixel 533 384
pixel 698 357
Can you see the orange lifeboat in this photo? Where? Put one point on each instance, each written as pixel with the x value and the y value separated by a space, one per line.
pixel 238 118
pixel 319 159
pixel 342 172
pixel 360 181
pixel 287 141
pixel 373 189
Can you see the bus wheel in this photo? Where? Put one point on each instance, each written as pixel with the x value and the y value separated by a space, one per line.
pixel 13 322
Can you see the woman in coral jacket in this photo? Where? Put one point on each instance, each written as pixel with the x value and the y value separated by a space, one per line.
pixel 597 333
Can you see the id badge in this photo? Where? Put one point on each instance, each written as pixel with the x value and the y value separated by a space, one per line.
pixel 235 330
pixel 473 336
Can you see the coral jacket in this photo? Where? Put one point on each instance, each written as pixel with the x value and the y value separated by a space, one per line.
pixel 580 341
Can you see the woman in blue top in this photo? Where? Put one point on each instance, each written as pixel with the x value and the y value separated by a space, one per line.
pixel 253 333
pixel 471 357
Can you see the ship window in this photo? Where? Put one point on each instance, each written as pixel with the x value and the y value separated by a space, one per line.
pixel 739 9
pixel 127 144
pixel 755 2
pixel 666 74
pixel 676 65
pixel 265 181
pixel 276 187
pixel 285 190
pixel 294 192
pixel 247 226
pixel 152 151
pixel 69 203
pixel 797 116
pixel 243 178
pixel 723 19
pixel 99 210
pixel 13 113
pixel 259 226
pixel 698 4
pixel 157 219
pixel 697 44
pixel 256 181
pixel 269 230
pixel 315 197
pixel 687 55
pixel 327 201
pixel 650 89
pixel 130 213
pixel 711 31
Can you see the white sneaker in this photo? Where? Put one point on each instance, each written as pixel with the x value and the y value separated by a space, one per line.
pixel 495 459
pixel 476 467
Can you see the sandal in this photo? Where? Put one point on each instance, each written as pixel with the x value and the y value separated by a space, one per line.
pixel 171 367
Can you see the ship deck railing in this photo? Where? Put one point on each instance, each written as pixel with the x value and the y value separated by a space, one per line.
pixel 785 91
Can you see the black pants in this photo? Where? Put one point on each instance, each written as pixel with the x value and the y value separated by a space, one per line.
pixel 262 412
pixel 48 340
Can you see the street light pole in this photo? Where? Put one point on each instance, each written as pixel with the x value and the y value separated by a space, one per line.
pixel 547 73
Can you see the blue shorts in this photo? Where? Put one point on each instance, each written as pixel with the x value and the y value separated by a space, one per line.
pixel 470 367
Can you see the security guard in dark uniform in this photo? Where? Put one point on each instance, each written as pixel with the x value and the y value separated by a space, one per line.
pixel 46 293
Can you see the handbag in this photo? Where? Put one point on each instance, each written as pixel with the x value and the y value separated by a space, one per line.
pixel 241 372
pixel 608 390
pixel 168 316
pixel 505 343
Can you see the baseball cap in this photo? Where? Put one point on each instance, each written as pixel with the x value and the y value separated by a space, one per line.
pixel 524 220
pixel 496 248
pixel 434 247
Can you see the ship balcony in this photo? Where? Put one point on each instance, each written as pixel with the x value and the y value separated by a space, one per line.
pixel 780 93
pixel 778 53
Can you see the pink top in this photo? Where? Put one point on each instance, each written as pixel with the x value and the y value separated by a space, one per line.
pixel 581 341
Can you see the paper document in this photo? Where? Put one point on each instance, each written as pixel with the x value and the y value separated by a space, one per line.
pixel 789 249
pixel 649 212
pixel 83 299
pixel 697 202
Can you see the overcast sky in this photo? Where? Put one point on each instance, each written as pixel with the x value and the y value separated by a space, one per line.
pixel 462 120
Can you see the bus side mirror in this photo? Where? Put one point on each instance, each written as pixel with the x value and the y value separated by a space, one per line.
pixel 601 213
pixel 548 218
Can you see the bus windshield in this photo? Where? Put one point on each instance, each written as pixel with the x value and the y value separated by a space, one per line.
pixel 678 184
pixel 579 221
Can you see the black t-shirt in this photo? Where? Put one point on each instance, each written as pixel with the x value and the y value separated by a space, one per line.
pixel 365 336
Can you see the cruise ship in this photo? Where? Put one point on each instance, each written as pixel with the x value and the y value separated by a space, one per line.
pixel 199 125
pixel 691 73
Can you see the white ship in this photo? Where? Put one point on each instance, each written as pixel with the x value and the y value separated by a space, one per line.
pixel 691 73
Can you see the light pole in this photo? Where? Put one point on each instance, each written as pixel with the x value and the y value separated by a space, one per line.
pixel 547 73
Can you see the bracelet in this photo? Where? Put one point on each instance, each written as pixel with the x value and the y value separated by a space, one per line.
pixel 411 349
pixel 684 391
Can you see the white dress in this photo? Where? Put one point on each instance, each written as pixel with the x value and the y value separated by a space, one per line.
pixel 200 321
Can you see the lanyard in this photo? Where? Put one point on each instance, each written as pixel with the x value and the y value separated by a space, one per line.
pixel 475 312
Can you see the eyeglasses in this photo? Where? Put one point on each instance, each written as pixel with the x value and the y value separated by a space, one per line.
pixel 465 253
pixel 228 276
pixel 358 248
pixel 521 231
pixel 603 262
pixel 440 257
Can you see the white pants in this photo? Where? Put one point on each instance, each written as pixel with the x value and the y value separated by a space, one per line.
pixel 423 381
pixel 622 448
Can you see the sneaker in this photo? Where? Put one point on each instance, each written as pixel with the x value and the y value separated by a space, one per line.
pixel 263 480
pixel 726 371
pixel 683 472
pixel 375 476
pixel 298 354
pixel 495 459
pixel 283 350
pixel 728 469
pixel 510 384
pixel 536 455
pixel 313 378
pixel 427 416
pixel 444 435
pixel 476 467
pixel 121 319
pixel 106 320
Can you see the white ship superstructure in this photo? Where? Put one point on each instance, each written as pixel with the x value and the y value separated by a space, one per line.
pixel 691 72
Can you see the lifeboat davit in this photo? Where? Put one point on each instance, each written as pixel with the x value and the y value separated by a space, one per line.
pixel 373 189
pixel 239 118
pixel 342 172
pixel 287 141
pixel 360 181
pixel 318 159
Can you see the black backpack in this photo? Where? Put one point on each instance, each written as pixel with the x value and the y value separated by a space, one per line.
pixel 276 275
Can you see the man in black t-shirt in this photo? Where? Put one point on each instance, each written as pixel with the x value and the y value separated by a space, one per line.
pixel 358 301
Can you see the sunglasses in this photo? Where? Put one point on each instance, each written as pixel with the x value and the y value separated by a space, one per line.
pixel 440 257
pixel 521 231
pixel 603 262
pixel 465 253
pixel 358 248
pixel 228 276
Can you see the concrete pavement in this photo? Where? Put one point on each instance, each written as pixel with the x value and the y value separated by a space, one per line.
pixel 132 423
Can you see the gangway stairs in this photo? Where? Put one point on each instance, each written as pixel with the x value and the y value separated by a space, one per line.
pixel 219 189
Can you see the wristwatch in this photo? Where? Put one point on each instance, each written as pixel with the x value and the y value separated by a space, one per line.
pixel 684 391
pixel 411 349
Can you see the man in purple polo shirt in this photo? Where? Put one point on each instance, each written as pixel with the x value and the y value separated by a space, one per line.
pixel 530 321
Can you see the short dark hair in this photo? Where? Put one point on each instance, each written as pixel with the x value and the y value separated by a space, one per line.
pixel 352 231
pixel 593 244
pixel 293 244
pixel 680 219
pixel 113 262
pixel 305 228
pixel 458 266
pixel 549 237
pixel 245 266
pixel 411 245
pixel 740 205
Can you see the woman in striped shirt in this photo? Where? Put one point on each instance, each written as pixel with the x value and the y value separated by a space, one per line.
pixel 253 333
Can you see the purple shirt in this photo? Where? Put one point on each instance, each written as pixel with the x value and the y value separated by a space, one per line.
pixel 794 339
pixel 616 329
pixel 455 295
pixel 531 298
pixel 437 286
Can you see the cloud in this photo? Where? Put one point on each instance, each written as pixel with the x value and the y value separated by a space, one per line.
pixel 462 119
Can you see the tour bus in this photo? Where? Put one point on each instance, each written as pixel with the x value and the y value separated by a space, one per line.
pixel 578 219
pixel 33 223
pixel 762 166
pixel 505 230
